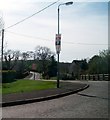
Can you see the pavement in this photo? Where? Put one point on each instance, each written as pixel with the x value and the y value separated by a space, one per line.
pixel 66 88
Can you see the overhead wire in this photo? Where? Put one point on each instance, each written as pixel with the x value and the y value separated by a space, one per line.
pixel 31 15
pixel 27 36
pixel 34 37
pixel 85 43
pixel 40 37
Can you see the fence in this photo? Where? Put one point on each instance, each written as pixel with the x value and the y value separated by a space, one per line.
pixel 96 77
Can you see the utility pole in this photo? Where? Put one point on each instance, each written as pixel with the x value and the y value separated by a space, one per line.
pixel 34 65
pixel 1 64
pixel 58 55
pixel 2 45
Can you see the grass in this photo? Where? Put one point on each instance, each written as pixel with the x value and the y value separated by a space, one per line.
pixel 20 86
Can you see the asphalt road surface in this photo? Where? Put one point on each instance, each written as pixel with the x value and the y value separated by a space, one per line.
pixel 35 76
pixel 89 103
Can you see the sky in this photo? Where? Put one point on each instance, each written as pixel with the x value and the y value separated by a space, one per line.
pixel 83 27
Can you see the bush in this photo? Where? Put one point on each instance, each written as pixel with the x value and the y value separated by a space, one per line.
pixel 66 76
pixel 8 76
pixel 21 75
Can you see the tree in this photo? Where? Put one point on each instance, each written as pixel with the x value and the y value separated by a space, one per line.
pixel 78 67
pixel 24 64
pixel 52 68
pixel 43 55
pixel 84 66
pixel 98 64
pixel 11 57
pixel 105 55
pixel 94 64
pixel 25 56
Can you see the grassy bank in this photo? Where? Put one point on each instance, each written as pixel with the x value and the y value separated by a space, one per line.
pixel 20 86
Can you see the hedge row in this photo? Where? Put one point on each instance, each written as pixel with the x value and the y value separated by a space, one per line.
pixel 8 76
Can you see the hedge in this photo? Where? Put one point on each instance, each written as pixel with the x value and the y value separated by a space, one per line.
pixel 65 76
pixel 8 76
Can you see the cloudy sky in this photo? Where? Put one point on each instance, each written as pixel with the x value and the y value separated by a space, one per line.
pixel 83 26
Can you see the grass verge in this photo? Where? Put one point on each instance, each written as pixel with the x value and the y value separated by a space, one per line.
pixel 20 86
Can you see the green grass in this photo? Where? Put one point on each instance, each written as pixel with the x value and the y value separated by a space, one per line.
pixel 20 86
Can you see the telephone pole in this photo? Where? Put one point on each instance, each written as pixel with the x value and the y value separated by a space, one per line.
pixel 2 45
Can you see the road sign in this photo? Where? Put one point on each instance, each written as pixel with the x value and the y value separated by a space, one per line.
pixel 58 43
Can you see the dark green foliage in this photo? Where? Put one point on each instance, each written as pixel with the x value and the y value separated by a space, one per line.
pixel 44 55
pixel 105 55
pixel 65 76
pixel 94 65
pixel 84 65
pixel 46 64
pixel 52 68
pixel 8 76
pixel 98 64
pixel 78 67
pixel 64 67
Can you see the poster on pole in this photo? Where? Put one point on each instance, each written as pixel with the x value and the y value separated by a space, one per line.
pixel 58 43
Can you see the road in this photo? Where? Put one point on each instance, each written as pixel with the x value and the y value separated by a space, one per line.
pixel 89 103
pixel 35 76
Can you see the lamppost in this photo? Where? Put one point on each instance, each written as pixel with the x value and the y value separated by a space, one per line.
pixel 58 40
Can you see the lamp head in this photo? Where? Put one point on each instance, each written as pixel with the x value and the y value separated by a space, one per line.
pixel 68 3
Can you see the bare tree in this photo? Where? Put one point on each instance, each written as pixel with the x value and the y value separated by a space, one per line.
pixel 25 56
pixel 11 57
pixel 43 54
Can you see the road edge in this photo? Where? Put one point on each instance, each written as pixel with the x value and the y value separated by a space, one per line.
pixel 27 101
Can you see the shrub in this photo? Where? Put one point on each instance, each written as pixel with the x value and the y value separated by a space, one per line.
pixel 8 76
pixel 21 75
pixel 65 76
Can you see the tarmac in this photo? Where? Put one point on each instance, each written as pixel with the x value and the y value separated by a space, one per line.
pixel 66 88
